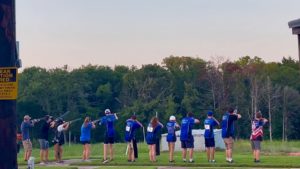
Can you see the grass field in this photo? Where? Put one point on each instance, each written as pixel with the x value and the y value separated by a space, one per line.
pixel 273 155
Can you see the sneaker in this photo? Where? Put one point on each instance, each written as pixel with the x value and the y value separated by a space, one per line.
pixel 42 163
pixel 171 161
pixel 213 161
pixel 184 160
pixel 87 160
pixel 191 161
pixel 229 161
pixel 257 161
pixel 105 161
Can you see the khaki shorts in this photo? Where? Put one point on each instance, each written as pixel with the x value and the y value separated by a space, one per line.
pixel 27 145
pixel 229 143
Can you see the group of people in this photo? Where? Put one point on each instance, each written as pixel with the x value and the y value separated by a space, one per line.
pixel 48 122
pixel 152 136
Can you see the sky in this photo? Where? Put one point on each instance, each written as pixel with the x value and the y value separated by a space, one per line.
pixel 53 33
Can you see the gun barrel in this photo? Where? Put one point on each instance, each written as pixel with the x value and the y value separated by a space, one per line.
pixel 72 121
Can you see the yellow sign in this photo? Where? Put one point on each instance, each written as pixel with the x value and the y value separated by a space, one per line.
pixel 8 83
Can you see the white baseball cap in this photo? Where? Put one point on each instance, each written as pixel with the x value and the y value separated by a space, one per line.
pixel 27 117
pixel 172 118
pixel 107 111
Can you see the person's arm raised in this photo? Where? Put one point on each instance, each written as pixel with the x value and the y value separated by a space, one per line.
pixel 116 116
pixel 140 124
pixel 218 123
pixel 197 121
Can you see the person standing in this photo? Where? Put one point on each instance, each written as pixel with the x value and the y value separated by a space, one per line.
pixel 60 127
pixel 151 137
pixel 132 125
pixel 43 139
pixel 109 137
pixel 209 124
pixel 228 120
pixel 186 136
pixel 257 135
pixel 171 126
pixel 85 138
pixel 25 126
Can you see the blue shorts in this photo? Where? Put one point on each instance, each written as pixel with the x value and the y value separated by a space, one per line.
pixel 150 142
pixel 44 144
pixel 109 140
pixel 209 142
pixel 85 142
pixel 187 143
pixel 171 138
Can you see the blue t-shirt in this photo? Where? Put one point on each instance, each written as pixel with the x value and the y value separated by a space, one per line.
pixel 86 132
pixel 131 126
pixel 171 136
pixel 209 124
pixel 152 133
pixel 187 125
pixel 25 126
pixel 108 120
pixel 228 125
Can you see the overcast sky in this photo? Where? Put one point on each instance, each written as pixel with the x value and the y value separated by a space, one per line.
pixel 53 33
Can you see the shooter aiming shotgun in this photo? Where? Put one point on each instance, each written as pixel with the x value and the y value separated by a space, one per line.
pixel 59 137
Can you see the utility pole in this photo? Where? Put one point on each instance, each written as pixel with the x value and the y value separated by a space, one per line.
pixel 295 25
pixel 8 71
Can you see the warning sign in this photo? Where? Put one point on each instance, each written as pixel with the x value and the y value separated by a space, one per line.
pixel 8 83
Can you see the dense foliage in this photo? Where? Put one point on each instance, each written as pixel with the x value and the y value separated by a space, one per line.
pixel 177 86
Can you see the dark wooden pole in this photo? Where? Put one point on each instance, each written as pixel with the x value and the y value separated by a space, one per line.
pixel 299 49
pixel 8 148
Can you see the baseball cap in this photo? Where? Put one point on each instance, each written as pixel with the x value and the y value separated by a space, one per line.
pixel 210 113
pixel 133 117
pixel 172 118
pixel 107 111
pixel 27 117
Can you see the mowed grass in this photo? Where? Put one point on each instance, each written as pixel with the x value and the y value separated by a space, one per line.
pixel 274 154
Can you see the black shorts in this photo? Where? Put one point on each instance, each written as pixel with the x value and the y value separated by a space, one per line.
pixel 85 142
pixel 60 143
pixel 209 142
pixel 187 144
pixel 109 140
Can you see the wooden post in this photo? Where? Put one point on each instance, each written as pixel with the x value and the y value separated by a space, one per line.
pixel 299 49
pixel 8 146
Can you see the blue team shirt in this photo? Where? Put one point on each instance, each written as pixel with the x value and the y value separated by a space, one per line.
pixel 209 124
pixel 152 133
pixel 86 132
pixel 108 120
pixel 228 125
pixel 130 129
pixel 187 125
pixel 25 126
pixel 171 136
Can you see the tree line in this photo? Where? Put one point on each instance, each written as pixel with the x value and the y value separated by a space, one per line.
pixel 177 86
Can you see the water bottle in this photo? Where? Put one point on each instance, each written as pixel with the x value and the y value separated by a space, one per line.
pixel 30 163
